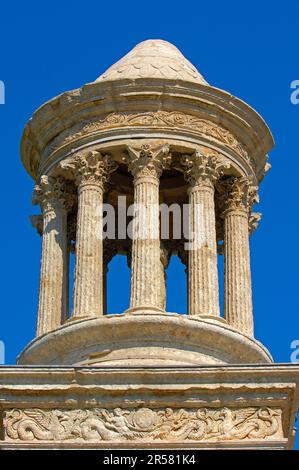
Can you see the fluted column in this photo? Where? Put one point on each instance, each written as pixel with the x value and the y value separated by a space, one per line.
pixel 202 171
pixel 91 172
pixel 237 273
pixel 146 166
pixel 51 194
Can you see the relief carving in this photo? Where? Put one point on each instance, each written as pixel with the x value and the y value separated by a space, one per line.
pixel 90 167
pixel 142 424
pixel 53 190
pixel 147 161
pixel 201 168
pixel 154 119
pixel 237 193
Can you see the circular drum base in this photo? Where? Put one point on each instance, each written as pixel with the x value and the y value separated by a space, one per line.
pixel 149 339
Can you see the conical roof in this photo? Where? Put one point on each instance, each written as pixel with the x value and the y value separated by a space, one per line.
pixel 153 58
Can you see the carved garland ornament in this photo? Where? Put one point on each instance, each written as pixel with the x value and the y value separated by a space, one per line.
pixel 153 119
pixel 143 424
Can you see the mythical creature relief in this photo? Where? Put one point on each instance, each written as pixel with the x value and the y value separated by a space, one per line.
pixel 142 424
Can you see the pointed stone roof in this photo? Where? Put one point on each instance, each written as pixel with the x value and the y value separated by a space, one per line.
pixel 153 58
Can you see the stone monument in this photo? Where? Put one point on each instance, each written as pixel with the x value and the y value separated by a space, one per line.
pixel 153 130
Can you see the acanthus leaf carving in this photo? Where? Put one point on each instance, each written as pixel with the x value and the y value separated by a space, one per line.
pixel 254 220
pixel 147 161
pixel 202 167
pixel 53 190
pixel 237 193
pixel 90 167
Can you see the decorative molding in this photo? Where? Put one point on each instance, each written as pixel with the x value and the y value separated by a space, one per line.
pixel 172 119
pixel 142 424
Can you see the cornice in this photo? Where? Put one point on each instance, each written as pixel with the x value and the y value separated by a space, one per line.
pixel 103 109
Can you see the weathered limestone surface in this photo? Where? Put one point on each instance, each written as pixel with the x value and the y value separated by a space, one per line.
pixel 143 424
pixel 202 172
pixel 146 166
pixel 159 339
pixel 91 172
pixel 149 129
pixel 52 310
pixel 156 59
pixel 246 407
pixel 237 290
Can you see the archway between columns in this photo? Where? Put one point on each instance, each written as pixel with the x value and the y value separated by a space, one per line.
pixel 176 286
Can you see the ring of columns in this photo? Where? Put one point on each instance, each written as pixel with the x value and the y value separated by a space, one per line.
pixel 110 139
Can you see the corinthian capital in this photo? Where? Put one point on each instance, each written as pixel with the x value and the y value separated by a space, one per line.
pixel 90 167
pixel 201 168
pixel 51 191
pixel 147 160
pixel 237 194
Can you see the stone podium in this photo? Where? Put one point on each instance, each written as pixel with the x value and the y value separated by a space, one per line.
pixel 151 129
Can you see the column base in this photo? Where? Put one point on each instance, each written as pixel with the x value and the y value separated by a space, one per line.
pixel 144 309
pixel 75 318
pixel 213 318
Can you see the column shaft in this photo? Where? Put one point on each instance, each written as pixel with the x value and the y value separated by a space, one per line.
pixel 237 290
pixel 88 286
pixel 53 274
pixel 203 290
pixel 145 270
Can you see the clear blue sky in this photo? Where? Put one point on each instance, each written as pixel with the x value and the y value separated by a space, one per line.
pixel 247 48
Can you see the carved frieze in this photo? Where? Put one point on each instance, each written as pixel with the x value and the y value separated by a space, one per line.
pixel 173 119
pixel 142 424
